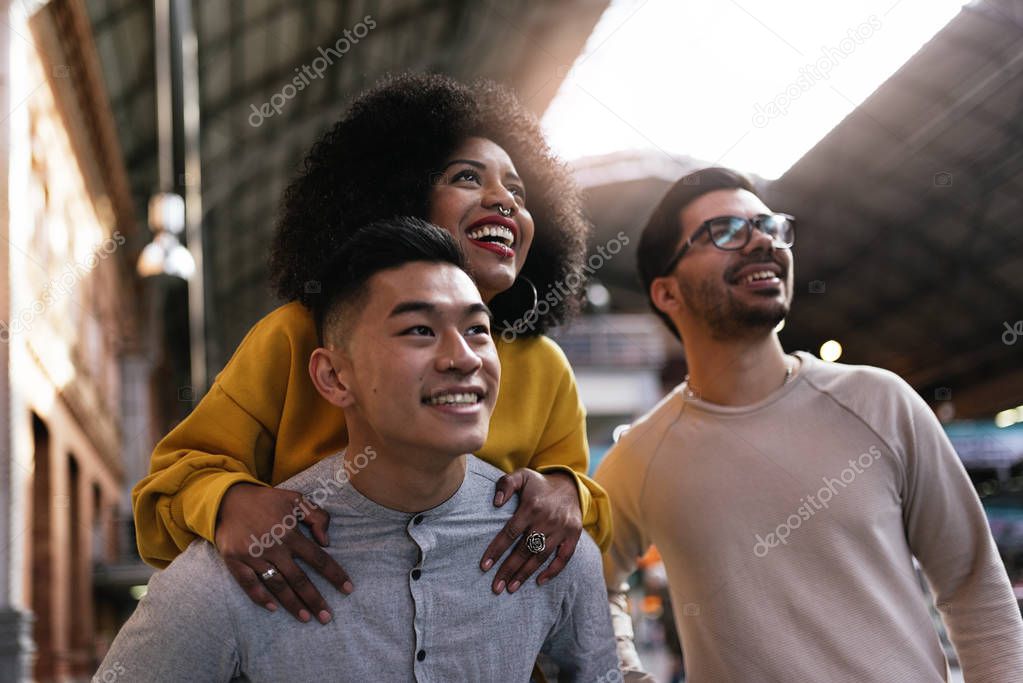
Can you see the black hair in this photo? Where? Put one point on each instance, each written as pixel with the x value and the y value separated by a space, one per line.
pixel 663 231
pixel 379 246
pixel 379 159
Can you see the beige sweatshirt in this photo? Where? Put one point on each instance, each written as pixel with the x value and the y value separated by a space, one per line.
pixel 788 529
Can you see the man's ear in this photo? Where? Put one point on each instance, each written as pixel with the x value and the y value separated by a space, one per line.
pixel 666 296
pixel 328 370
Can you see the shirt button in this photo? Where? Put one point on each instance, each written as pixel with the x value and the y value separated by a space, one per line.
pixel 418 519
pixel 416 573
pixel 421 655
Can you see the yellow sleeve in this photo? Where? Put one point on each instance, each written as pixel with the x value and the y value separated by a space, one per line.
pixel 219 444
pixel 563 447
pixel 216 446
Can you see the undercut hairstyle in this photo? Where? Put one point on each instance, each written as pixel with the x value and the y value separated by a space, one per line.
pixel 662 235
pixel 341 288
pixel 379 160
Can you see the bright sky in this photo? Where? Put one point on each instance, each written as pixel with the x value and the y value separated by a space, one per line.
pixel 750 84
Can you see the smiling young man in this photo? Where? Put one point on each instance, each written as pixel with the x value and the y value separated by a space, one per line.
pixel 407 355
pixel 788 497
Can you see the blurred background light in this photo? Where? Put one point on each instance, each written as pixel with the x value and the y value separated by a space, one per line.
pixel 831 351
pixel 598 296
pixel 733 93
pixel 1007 418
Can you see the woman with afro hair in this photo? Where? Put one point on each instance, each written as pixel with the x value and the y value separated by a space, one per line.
pixel 472 160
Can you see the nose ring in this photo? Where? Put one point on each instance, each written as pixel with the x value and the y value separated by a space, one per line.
pixel 503 211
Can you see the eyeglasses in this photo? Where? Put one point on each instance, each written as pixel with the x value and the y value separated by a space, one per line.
pixel 731 233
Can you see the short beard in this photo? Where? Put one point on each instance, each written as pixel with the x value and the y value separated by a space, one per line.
pixel 728 318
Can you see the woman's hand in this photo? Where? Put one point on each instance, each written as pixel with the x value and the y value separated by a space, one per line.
pixel 548 503
pixel 256 530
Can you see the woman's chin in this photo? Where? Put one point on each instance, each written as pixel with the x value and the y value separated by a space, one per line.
pixel 493 283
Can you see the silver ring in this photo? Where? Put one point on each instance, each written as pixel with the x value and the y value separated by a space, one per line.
pixel 269 574
pixel 536 542
pixel 503 211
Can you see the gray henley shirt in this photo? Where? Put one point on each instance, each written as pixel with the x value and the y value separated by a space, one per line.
pixel 422 609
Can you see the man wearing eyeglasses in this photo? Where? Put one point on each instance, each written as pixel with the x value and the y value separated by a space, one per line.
pixel 788 497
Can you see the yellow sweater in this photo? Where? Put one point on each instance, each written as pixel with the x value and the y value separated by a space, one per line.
pixel 263 421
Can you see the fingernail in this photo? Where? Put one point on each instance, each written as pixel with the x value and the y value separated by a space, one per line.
pixel 272 606
pixel 499 587
pixel 487 564
pixel 347 585
pixel 303 615
pixel 513 586
pixel 324 616
pixel 542 581
pixel 499 498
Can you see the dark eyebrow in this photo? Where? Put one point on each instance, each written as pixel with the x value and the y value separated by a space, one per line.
pixel 412 307
pixel 475 164
pixel 479 165
pixel 427 307
pixel 480 308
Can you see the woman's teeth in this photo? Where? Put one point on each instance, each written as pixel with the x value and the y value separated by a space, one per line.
pixel 453 399
pixel 498 233
pixel 762 275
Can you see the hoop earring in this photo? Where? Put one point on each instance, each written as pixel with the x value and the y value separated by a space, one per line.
pixel 536 298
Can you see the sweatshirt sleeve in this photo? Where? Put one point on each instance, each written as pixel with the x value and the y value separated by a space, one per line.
pixel 622 476
pixel 227 439
pixel 949 535
pixel 218 445
pixel 563 447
